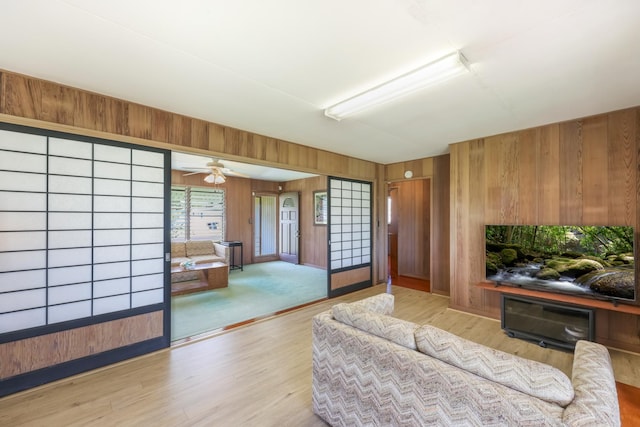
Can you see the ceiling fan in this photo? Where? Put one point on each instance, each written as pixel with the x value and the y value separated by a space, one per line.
pixel 217 172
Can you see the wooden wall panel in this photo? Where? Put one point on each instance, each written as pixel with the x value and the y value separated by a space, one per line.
pixel 479 166
pixel 577 172
pixel 622 165
pixel 31 354
pixel 380 228
pixel 528 148
pixel 349 277
pixel 421 168
pixel 21 96
pixel 595 171
pixel 90 111
pixel 440 201
pixel 570 172
pixel 459 224
pixel 548 179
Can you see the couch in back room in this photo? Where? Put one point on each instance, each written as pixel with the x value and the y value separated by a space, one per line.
pixel 199 251
pixel 371 369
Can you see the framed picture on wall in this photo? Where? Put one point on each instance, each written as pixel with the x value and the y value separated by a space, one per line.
pixel 320 204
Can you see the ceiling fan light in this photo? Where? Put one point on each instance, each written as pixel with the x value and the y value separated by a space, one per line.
pixel 215 178
pixel 435 72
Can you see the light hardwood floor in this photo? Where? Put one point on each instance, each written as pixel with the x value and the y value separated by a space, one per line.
pixel 256 375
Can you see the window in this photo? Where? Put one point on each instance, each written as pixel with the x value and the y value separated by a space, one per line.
pixel 197 213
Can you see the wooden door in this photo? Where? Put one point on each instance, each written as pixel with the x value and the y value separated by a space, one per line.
pixel 290 227
pixel 414 231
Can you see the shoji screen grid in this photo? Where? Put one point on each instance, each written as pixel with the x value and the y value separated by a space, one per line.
pixel 349 223
pixel 82 229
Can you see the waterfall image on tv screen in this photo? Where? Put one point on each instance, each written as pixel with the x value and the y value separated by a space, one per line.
pixel 593 261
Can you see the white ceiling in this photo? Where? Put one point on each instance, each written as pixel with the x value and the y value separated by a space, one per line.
pixel 195 163
pixel 270 67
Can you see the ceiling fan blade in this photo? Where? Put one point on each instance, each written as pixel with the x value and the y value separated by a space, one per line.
pixel 194 173
pixel 233 173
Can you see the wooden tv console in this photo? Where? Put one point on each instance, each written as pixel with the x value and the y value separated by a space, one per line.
pixel 569 299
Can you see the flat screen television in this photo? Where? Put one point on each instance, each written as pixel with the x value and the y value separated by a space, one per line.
pixel 589 261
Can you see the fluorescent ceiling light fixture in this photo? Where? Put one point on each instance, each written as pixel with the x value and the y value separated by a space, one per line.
pixel 434 72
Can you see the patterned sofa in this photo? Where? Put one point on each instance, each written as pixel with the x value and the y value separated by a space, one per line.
pixel 376 370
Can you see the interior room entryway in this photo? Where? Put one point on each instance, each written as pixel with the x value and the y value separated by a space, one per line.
pixel 289 227
pixel 409 228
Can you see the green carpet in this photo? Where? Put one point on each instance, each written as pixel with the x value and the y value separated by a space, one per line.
pixel 261 289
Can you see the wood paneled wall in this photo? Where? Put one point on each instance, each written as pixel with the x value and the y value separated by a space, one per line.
pixel 577 172
pixel 77 111
pixel 440 237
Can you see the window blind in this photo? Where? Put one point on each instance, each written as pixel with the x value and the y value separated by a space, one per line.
pixel 197 213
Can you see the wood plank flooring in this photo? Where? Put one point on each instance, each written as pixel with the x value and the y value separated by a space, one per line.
pixel 254 375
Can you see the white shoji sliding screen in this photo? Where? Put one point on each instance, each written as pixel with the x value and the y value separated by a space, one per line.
pixel 350 242
pixel 82 229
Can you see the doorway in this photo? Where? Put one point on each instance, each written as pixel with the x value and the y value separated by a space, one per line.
pixel 265 235
pixel 409 228
pixel 290 227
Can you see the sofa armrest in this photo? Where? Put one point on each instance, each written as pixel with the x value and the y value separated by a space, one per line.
pixel 222 251
pixel 596 398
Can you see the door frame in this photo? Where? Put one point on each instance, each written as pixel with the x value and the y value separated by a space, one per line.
pixel 295 259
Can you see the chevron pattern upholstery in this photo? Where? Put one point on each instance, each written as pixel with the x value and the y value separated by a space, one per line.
pixel 395 330
pixel 364 377
pixel 528 376
pixel 381 304
pixel 595 388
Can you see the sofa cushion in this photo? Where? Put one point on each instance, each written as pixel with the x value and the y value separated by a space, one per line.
pixel 395 330
pixel 528 376
pixel 200 247
pixel 202 259
pixel 178 250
